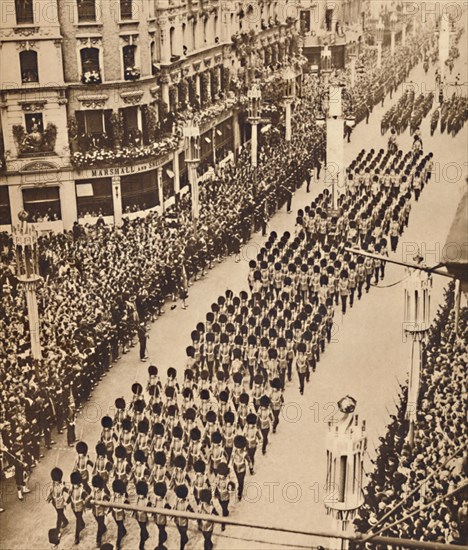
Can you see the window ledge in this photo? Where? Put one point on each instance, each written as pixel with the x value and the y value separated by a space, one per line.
pixel 88 24
pixel 128 22
pixel 38 154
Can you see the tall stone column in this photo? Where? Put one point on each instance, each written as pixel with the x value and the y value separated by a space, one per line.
pixel 165 40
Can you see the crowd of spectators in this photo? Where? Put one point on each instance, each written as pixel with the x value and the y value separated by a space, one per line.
pixel 436 464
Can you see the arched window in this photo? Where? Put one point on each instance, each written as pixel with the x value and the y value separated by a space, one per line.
pixel 91 72
pixel 28 65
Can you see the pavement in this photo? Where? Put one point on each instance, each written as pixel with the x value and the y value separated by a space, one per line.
pixel 367 359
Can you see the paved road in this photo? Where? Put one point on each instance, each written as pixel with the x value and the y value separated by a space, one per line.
pixel 365 360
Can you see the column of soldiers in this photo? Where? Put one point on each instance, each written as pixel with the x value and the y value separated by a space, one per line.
pixel 408 112
pixel 80 348
pixel 187 445
pixel 452 114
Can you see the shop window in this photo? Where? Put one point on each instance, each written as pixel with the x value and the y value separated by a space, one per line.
pixel 94 198
pixel 224 139
pixel 139 191
pixel 42 204
pixel 24 12
pixel 86 10
pixel 5 209
pixel 168 180
pixel 28 66
pixel 90 68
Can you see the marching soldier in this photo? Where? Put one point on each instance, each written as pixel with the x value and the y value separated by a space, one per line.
pixel 301 365
pixel 222 487
pixel 58 495
pixel 265 419
pixel 160 491
pixel 102 466
pixel 142 517
pixel 82 462
pixel 239 461
pixel 77 498
pixel 182 505
pixel 119 489
pixel 99 493
pixel 206 507
pixel 107 438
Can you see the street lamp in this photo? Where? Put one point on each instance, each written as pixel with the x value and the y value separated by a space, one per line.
pixel 379 34
pixel 289 94
pixel 393 27
pixel 192 158
pixel 25 239
pixel 255 104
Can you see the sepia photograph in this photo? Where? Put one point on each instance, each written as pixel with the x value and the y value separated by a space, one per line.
pixel 233 274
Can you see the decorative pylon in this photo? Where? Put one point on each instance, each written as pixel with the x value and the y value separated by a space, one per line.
pixel 25 240
pixel 346 445
pixel 417 311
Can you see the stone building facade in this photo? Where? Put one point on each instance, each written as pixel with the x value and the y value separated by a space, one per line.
pixel 94 93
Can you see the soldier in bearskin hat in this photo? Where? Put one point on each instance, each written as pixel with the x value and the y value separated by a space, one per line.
pixel 222 487
pixel 206 526
pixel 239 461
pixel 99 493
pixel 182 505
pixel 141 516
pixel 77 498
pixel 57 495
pixel 119 491
pixel 82 462
pixel 160 501
pixel 102 466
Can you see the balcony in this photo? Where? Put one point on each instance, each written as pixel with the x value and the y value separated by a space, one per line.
pixel 324 38
pixel 36 142
pixel 104 152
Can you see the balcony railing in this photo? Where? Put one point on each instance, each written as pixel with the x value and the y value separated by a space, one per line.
pixel 107 154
